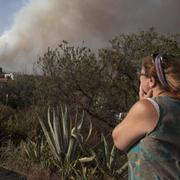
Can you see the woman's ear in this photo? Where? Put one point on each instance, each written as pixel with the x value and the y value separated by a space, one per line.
pixel 152 82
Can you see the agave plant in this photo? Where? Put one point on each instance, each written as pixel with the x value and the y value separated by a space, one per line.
pixel 37 151
pixel 109 160
pixel 85 172
pixel 33 150
pixel 65 139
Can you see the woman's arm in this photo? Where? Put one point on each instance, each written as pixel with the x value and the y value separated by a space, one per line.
pixel 141 119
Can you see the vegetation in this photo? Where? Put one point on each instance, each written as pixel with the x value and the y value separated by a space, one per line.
pixel 40 127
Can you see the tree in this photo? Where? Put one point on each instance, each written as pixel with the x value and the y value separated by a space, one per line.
pixel 105 83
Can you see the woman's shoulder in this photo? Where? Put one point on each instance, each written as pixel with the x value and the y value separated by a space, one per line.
pixel 141 119
pixel 144 107
pixel 145 112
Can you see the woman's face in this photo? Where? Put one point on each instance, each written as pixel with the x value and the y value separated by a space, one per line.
pixel 144 81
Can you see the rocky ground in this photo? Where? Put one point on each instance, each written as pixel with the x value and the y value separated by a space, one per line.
pixel 6 174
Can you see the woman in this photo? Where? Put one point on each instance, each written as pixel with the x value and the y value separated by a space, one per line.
pixel 150 133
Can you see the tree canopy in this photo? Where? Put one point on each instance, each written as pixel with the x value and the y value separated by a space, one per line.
pixel 102 83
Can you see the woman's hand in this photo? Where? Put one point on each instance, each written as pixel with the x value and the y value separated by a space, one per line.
pixel 143 95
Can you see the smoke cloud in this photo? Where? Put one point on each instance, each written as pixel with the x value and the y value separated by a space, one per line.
pixel 43 23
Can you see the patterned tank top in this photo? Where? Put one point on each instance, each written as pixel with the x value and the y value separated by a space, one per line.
pixel 157 155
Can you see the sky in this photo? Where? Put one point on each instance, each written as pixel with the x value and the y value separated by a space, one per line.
pixel 29 27
pixel 8 9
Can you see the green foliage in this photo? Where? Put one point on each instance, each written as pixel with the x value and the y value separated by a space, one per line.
pixel 37 152
pixel 137 45
pixel 17 125
pixel 64 138
pixel 19 93
pixel 84 80
pixel 86 173
pixel 109 161
pixel 104 83
pixel 5 113
pixel 7 128
pixel 70 150
pixel 101 84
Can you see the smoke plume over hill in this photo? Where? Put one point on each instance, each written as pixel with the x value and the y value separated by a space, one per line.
pixel 43 23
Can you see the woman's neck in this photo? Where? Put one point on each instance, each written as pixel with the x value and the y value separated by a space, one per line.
pixel 161 92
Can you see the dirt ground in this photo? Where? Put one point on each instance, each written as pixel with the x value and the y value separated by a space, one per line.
pixel 6 174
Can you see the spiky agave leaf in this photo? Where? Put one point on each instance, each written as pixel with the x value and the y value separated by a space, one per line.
pixel 66 125
pixel 76 138
pixel 90 131
pixel 99 159
pixel 27 150
pixel 86 159
pixel 56 136
pixel 49 138
pixel 113 157
pixel 122 168
pixel 108 158
pixel 80 123
pixel 106 152
pixel 71 149
pixel 60 117
pixel 49 122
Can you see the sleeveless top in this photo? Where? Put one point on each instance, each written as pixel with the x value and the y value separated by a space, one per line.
pixel 157 155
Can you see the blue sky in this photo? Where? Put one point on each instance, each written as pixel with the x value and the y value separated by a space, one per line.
pixel 8 9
